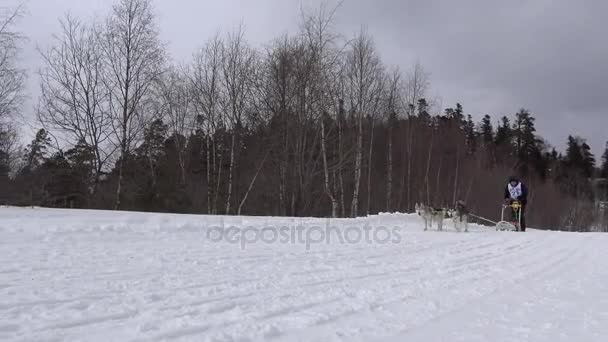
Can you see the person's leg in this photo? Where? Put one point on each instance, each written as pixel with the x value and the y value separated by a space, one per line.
pixel 523 218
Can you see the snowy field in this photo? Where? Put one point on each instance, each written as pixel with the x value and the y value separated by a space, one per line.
pixel 103 276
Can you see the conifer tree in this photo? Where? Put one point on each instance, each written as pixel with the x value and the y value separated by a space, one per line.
pixel 604 167
pixel 36 152
pixel 470 135
pixel 504 133
pixel 486 130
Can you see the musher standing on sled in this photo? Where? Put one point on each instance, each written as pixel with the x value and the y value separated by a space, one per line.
pixel 517 191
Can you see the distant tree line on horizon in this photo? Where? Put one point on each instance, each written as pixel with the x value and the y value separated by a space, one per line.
pixel 312 125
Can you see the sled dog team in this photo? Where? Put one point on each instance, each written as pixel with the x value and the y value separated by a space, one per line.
pixel 515 191
pixel 459 215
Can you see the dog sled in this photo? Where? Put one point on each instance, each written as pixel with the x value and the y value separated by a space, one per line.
pixel 514 223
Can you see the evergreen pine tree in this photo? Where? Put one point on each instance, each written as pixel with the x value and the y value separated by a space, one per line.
pixel 588 165
pixel 524 131
pixel 80 159
pixel 36 151
pixel 4 165
pixel 449 113
pixel 459 113
pixel 455 116
pixel 470 135
pixel 574 156
pixel 81 155
pixel 154 140
pixel 486 130
pixel 604 167
pixel 504 133
pixel 423 113
pixel 59 186
pixel 528 146
pixel 576 168
pixel 5 162
pixel 554 155
pixel 579 157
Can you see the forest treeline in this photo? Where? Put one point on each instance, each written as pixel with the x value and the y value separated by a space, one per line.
pixel 313 124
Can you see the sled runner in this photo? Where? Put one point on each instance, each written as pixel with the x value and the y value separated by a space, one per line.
pixel 515 220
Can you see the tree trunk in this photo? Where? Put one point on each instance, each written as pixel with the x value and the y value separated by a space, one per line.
pixel 98 168
pixel 328 190
pixel 282 181
pixel 403 179
pixel 342 201
pixel 438 182
pixel 121 162
pixel 257 172
pixel 410 133
pixel 354 211
pixel 209 185
pixel 230 173
pixel 283 165
pixel 428 169
pixel 389 169
pixel 456 176
pixel 341 165
pixel 336 191
pixel 152 175
pixel 118 187
pixel 369 167
pixel 470 187
pixel 219 177
pixel 181 160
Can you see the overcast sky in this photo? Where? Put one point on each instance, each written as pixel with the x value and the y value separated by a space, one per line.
pixel 494 57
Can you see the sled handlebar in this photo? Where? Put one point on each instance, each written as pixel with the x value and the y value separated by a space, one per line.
pixel 515 205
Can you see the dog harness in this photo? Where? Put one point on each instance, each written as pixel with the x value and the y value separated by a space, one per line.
pixel 515 191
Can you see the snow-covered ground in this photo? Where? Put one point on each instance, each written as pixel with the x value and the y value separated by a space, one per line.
pixel 105 276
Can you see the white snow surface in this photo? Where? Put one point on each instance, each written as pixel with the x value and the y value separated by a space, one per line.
pixel 69 275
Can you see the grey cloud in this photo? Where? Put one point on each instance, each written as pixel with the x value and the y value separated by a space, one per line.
pixel 497 56
pixel 492 56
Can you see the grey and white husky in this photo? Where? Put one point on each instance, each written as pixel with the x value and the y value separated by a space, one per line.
pixel 460 216
pixel 431 215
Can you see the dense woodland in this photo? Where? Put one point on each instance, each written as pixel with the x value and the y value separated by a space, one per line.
pixel 312 124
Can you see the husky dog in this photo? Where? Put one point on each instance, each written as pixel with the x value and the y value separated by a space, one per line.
pixel 431 215
pixel 460 216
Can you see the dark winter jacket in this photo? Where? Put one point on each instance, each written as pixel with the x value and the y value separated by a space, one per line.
pixel 523 198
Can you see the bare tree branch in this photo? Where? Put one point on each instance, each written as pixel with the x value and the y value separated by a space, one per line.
pixel 73 97
pixel 12 78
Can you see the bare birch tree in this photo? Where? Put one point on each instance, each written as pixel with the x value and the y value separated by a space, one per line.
pixel 205 83
pixel 416 86
pixel 73 98
pixel 372 117
pixel 327 86
pixel 133 58
pixel 238 69
pixel 392 108
pixel 364 84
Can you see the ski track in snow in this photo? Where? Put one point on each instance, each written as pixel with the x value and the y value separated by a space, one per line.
pixel 102 276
